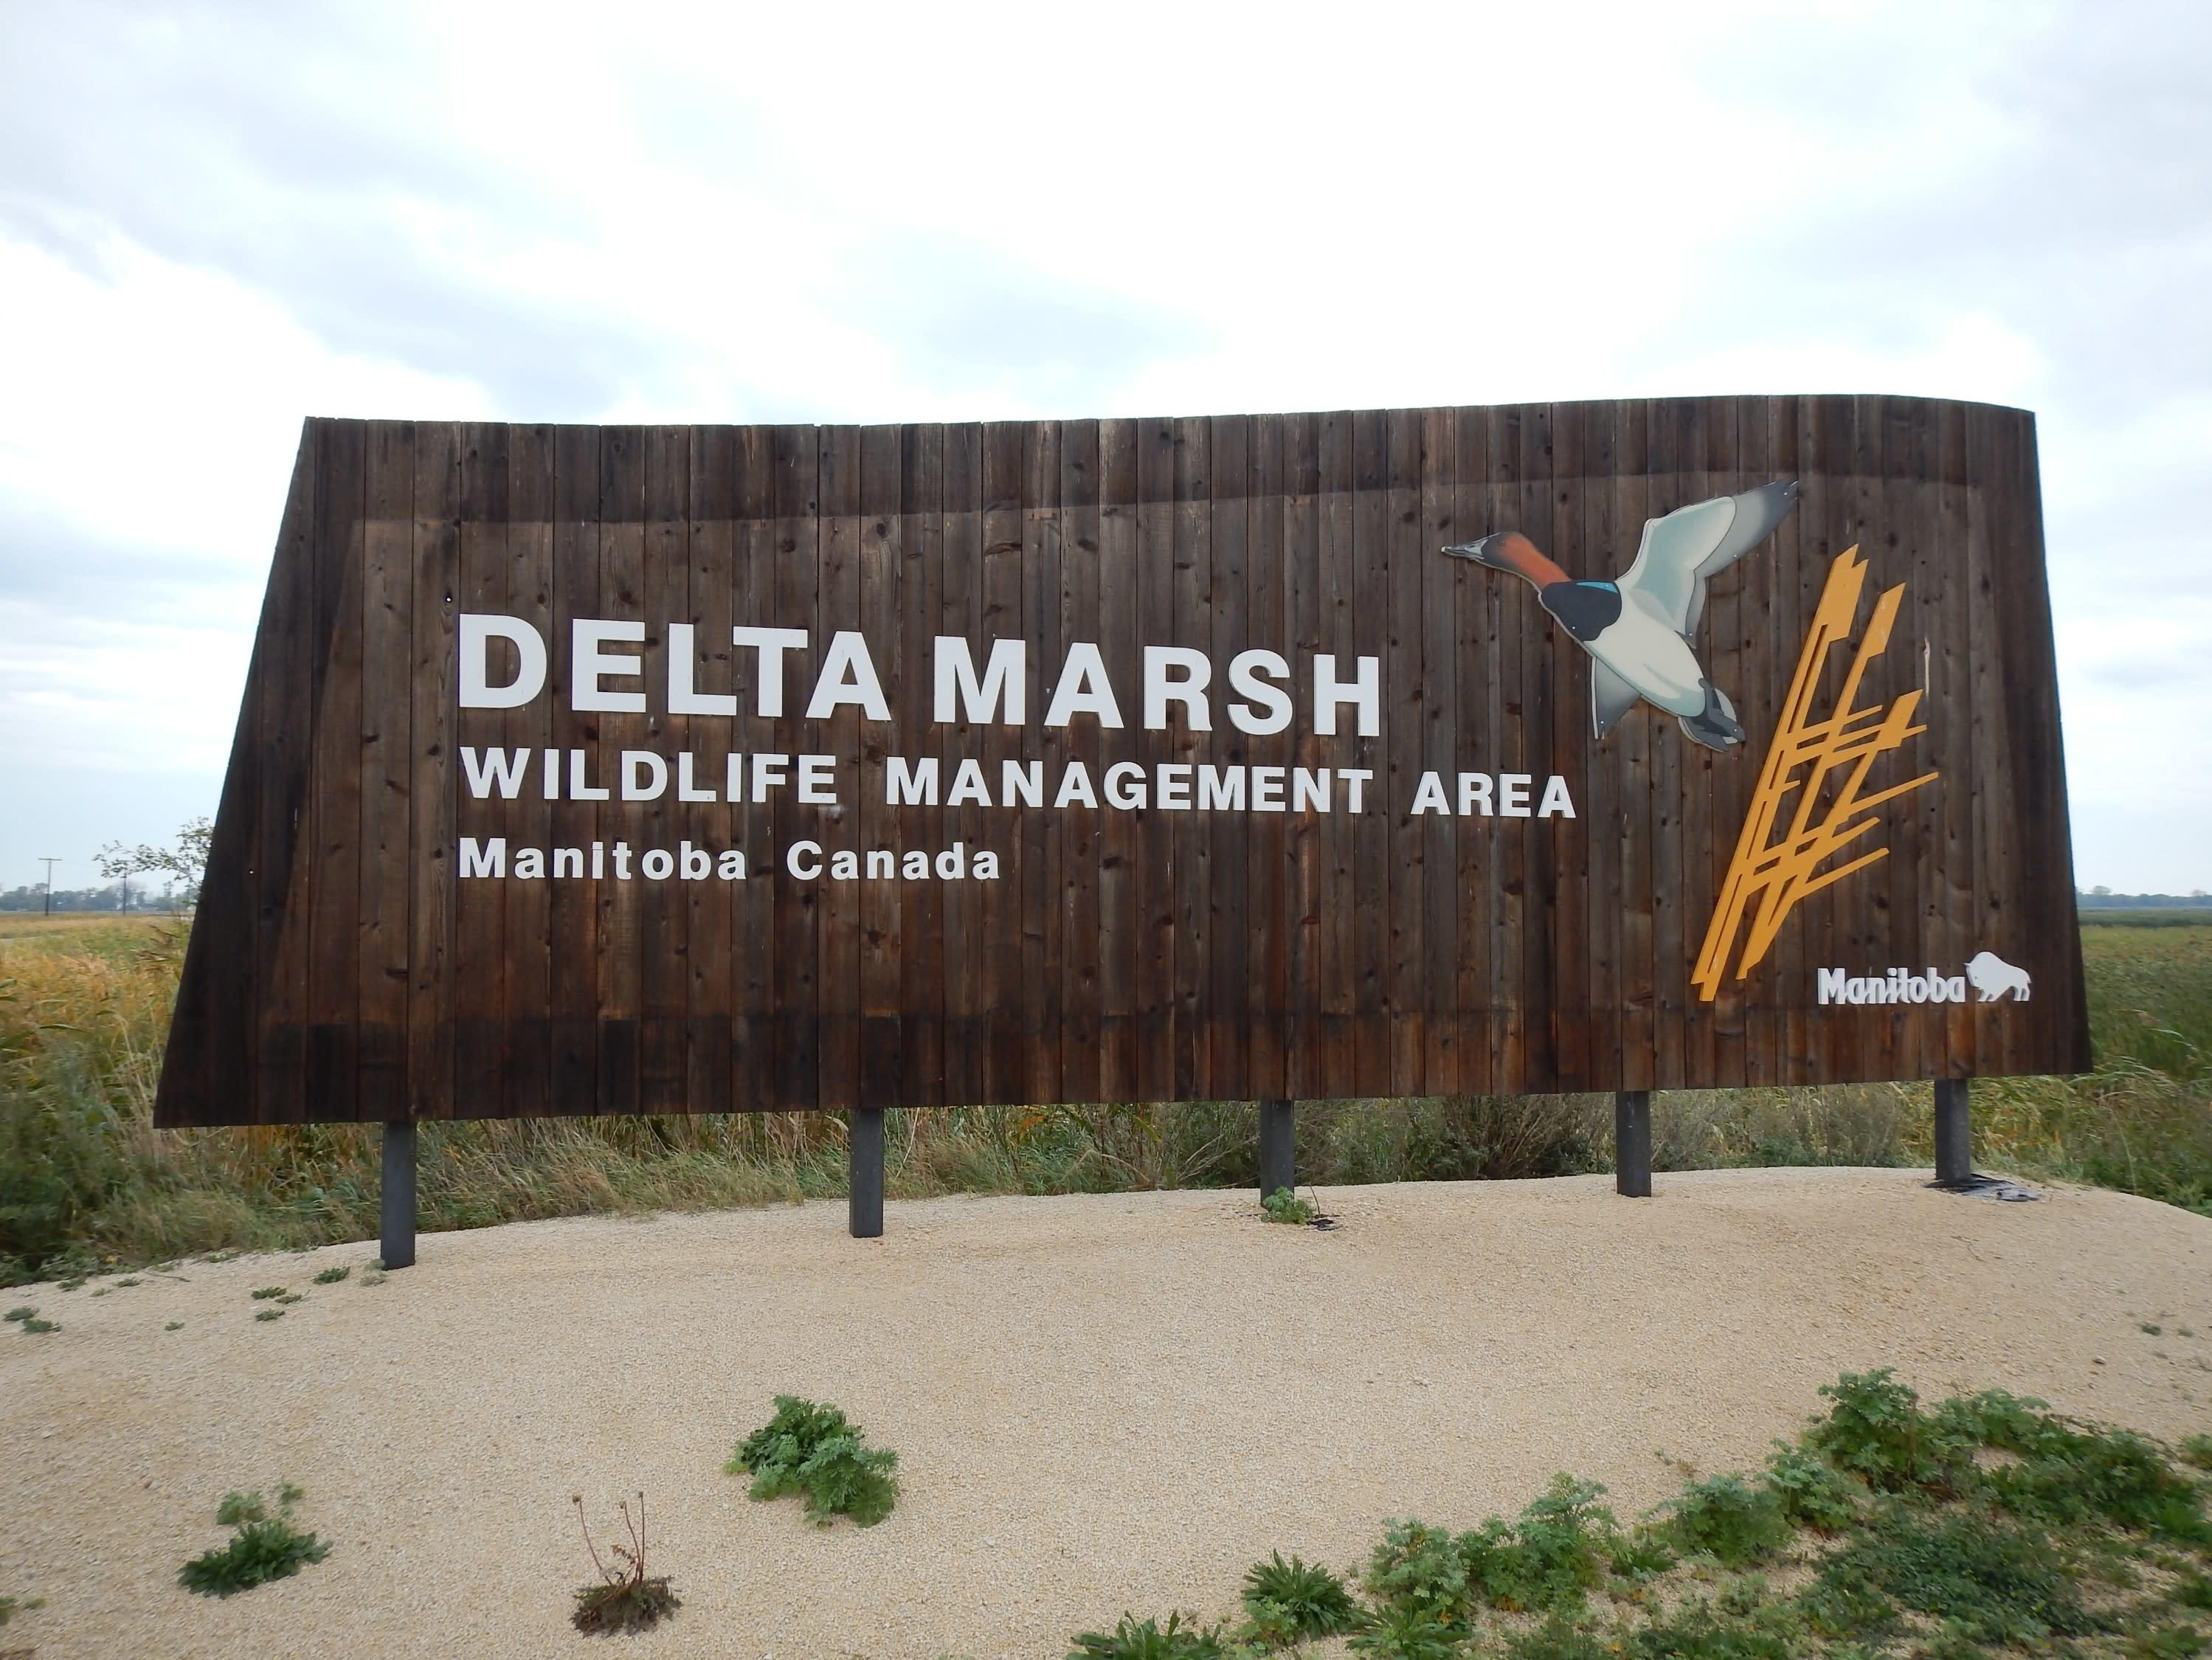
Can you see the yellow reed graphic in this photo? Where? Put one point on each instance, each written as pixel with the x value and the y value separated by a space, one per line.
pixel 1774 874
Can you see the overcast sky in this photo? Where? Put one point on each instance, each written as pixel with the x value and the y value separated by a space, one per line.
pixel 215 220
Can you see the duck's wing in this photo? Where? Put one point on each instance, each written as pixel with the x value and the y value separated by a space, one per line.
pixel 1683 551
pixel 1611 697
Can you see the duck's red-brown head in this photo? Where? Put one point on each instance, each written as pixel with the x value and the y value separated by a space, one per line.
pixel 1508 550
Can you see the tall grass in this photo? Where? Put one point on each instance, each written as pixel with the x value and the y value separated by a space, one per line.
pixel 85 1179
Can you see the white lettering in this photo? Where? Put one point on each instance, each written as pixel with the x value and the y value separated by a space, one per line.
pixel 494 769
pixel 1082 688
pixel 1429 796
pixel 489 859
pixel 1365 693
pixel 772 643
pixel 1186 688
pixel 1244 671
pixel 910 785
pixel 1125 785
pixel 849 676
pixel 477 630
pixel 818 776
pixel 683 666
pixel 1004 682
pixel 644 775
pixel 590 666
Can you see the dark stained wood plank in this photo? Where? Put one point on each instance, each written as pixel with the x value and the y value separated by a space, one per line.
pixel 1043 983
pixel 881 528
pixel 1154 580
pixel 837 607
pixel 922 932
pixel 1404 755
pixel 1636 968
pixel 711 1004
pixel 793 596
pixel 1226 1018
pixel 1005 1060
pixel 572 902
pixel 477 998
pixel 1312 917
pixel 433 784
pixel 663 914
pixel 1472 594
pixel 967 980
pixel 1081 849
pixel 757 918
pixel 1339 949
pixel 1189 856
pixel 1122 917
pixel 1370 828
pixel 383 934
pixel 1256 1016
pixel 334 810
pixel 623 464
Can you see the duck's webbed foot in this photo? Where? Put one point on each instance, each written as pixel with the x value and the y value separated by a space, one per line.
pixel 1715 726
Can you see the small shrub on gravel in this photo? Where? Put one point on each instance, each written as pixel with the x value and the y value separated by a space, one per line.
pixel 267 1314
pixel 1728 1519
pixel 1283 1206
pixel 624 1597
pixel 2196 1449
pixel 1404 1633
pixel 267 1292
pixel 1147 1639
pixel 32 1324
pixel 1876 1430
pixel 264 1546
pixel 1289 1601
pixel 332 1276
pixel 12 1606
pixel 814 1449
pixel 1813 1493
pixel 21 1311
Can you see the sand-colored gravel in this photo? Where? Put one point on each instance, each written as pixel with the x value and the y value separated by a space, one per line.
pixel 1099 1403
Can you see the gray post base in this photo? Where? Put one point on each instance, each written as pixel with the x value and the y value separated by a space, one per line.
pixel 1954 1131
pixel 1279 1145
pixel 396 1195
pixel 1632 1143
pixel 864 1155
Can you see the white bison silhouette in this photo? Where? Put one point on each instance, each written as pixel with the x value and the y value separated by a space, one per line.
pixel 1993 977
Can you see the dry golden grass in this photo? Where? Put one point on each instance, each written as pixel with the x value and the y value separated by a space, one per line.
pixel 85 1178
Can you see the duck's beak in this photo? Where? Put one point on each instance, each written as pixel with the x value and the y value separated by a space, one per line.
pixel 1481 551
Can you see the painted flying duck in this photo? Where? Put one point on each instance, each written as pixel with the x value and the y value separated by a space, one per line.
pixel 1640 630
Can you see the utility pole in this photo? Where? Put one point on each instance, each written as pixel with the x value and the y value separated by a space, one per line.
pixel 50 864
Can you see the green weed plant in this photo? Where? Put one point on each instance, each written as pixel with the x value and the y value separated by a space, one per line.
pixel 814 1449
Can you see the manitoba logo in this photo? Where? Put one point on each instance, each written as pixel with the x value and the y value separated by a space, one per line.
pixel 1990 974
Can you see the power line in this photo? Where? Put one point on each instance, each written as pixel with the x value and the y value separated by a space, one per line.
pixel 50 864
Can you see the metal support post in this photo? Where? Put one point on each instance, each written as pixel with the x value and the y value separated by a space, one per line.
pixel 1632 1143
pixel 396 1197
pixel 864 1152
pixel 1954 1131
pixel 1279 1145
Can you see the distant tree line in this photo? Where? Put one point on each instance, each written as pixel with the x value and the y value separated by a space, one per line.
pixel 2106 899
pixel 116 896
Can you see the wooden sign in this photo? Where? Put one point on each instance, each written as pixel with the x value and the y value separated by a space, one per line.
pixel 1579 747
